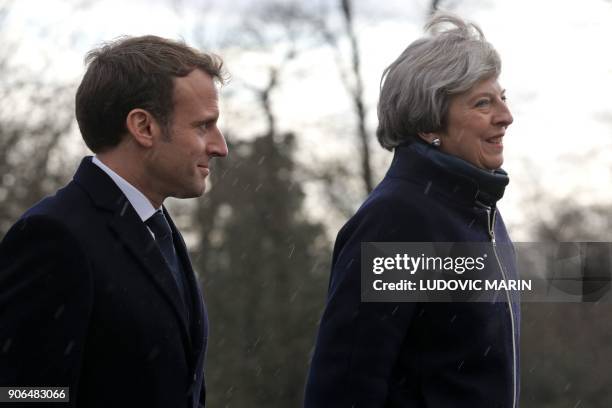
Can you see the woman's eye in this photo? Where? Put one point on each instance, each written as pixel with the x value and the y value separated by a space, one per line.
pixel 482 102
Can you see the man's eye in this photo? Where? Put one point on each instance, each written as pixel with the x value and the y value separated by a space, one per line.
pixel 504 98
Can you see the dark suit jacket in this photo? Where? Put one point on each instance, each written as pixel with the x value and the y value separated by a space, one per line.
pixel 87 301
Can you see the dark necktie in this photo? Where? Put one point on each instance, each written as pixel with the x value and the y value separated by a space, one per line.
pixel 163 236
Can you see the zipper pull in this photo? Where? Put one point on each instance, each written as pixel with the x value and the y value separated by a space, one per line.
pixel 491 224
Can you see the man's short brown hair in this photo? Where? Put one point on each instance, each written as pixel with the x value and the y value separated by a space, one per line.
pixel 129 73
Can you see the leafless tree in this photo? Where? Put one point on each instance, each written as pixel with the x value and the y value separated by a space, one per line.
pixel 35 116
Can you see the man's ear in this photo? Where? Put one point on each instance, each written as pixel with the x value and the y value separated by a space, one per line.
pixel 428 137
pixel 142 127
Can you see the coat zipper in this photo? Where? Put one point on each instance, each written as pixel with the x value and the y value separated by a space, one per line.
pixel 491 224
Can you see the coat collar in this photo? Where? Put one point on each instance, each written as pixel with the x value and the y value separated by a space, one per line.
pixel 132 232
pixel 448 174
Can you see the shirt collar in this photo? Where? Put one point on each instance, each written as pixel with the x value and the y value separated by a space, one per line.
pixel 141 204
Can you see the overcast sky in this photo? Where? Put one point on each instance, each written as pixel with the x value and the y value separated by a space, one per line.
pixel 557 68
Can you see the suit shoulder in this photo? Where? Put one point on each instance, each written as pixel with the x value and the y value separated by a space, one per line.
pixel 69 208
pixel 40 254
pixel 50 229
pixel 34 231
pixel 63 203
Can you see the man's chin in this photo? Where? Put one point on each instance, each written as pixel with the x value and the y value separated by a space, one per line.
pixel 193 193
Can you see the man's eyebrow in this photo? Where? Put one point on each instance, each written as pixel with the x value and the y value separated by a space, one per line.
pixel 200 122
pixel 208 119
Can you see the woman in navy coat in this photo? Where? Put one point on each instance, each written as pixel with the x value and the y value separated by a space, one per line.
pixel 444 114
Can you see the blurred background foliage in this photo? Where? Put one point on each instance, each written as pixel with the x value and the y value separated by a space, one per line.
pixel 261 250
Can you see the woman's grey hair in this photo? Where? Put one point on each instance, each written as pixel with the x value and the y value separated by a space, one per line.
pixel 416 88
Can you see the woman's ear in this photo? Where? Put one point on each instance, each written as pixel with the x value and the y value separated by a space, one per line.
pixel 429 137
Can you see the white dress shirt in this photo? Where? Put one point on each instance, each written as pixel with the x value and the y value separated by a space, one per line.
pixel 141 204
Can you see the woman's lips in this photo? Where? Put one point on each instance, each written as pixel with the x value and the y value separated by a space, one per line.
pixel 495 143
pixel 495 140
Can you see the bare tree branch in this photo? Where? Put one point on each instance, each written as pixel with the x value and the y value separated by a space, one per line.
pixel 357 95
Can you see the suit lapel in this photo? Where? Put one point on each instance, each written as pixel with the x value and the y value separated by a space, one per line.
pixel 132 232
pixel 141 244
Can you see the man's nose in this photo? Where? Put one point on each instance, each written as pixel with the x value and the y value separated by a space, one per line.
pixel 217 147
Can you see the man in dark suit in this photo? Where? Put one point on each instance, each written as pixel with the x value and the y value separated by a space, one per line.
pixel 97 292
